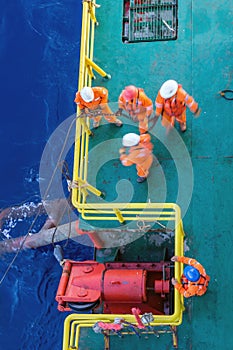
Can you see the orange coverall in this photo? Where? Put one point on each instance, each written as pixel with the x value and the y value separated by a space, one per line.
pixel 174 108
pixel 140 107
pixel 141 155
pixel 188 288
pixel 100 101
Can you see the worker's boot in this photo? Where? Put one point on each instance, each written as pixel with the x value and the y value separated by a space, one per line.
pixel 118 122
pixel 183 127
pixel 141 179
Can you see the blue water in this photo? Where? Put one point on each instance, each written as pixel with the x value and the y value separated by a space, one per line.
pixel 39 56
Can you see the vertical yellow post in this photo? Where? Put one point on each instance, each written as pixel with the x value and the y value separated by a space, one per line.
pixel 84 125
pixel 91 6
pixel 174 336
pixel 90 72
pixel 106 341
pixel 119 215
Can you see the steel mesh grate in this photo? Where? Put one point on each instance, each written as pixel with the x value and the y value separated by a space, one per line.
pixel 150 20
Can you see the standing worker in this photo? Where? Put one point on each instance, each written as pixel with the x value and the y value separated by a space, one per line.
pixel 96 99
pixel 135 102
pixel 171 103
pixel 137 150
pixel 194 280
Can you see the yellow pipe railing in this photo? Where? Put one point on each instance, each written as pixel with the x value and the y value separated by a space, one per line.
pixel 75 322
pixel 82 126
pixel 90 64
pixel 101 210
pixel 151 212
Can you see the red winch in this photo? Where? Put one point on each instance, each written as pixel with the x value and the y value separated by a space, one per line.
pixel 115 287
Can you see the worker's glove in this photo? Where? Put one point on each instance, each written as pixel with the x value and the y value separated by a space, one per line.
pixel 122 150
pixel 86 111
pixel 119 112
pixel 174 281
pixel 197 113
pixel 174 258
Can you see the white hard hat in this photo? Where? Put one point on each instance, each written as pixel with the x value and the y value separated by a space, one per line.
pixel 130 139
pixel 168 89
pixel 87 94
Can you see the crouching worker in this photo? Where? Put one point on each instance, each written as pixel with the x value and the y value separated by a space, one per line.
pixel 137 150
pixel 96 99
pixel 136 103
pixel 194 280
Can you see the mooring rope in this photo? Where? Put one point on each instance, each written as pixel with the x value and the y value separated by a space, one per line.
pixel 39 212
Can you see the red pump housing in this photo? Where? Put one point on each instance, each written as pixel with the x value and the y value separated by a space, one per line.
pixel 124 286
pixel 115 287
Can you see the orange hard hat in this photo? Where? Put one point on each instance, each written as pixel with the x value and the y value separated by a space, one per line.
pixel 130 92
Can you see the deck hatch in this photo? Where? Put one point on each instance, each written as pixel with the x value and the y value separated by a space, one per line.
pixel 149 20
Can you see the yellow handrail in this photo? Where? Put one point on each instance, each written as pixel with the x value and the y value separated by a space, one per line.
pixel 151 212
pixel 99 210
pixel 82 126
pixel 74 323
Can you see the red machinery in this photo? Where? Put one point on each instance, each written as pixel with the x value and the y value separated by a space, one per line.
pixel 115 287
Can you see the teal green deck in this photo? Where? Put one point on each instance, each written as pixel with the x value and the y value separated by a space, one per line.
pixel 201 60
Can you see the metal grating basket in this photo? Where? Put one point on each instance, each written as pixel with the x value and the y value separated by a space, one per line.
pixel 150 20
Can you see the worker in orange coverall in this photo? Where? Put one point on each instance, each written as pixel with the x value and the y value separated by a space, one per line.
pixel 137 150
pixel 135 102
pixel 171 103
pixel 96 98
pixel 194 280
